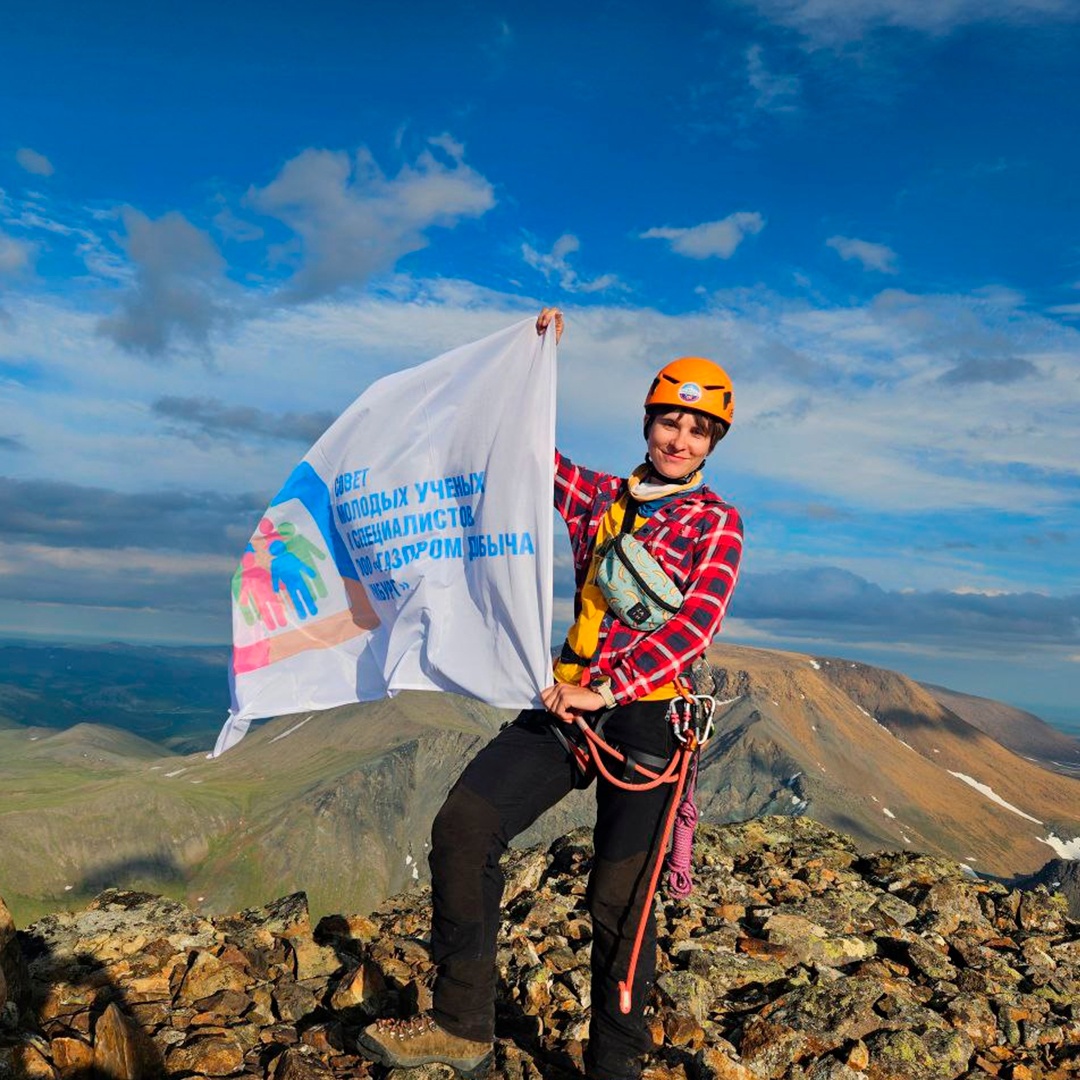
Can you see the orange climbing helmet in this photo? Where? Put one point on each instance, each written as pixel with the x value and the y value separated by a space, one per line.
pixel 695 384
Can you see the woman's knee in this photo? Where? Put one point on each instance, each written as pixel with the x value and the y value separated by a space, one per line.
pixel 467 827
pixel 614 892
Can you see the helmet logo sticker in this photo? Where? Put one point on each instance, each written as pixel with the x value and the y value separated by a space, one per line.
pixel 689 392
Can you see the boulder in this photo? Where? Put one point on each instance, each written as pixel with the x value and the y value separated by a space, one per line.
pixel 14 977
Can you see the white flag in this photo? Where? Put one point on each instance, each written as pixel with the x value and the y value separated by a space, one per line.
pixel 411 548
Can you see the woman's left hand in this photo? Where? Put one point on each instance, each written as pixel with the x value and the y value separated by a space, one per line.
pixel 568 702
pixel 548 316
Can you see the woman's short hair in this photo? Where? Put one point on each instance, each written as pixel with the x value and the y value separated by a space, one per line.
pixel 713 426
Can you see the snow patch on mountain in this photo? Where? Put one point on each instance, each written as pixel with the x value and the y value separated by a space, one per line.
pixel 993 796
pixel 1064 849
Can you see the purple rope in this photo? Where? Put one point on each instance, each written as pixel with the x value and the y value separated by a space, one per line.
pixel 680 881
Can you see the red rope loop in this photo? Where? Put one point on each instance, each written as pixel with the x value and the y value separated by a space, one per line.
pixel 676 773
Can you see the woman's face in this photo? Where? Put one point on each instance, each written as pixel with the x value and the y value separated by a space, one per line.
pixel 678 443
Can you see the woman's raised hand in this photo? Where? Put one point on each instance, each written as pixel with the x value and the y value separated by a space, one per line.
pixel 546 317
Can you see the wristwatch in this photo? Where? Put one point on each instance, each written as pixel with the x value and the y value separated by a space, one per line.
pixel 603 688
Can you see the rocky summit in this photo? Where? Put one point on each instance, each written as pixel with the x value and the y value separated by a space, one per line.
pixel 795 958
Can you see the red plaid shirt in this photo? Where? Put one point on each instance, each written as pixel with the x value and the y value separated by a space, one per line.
pixel 698 542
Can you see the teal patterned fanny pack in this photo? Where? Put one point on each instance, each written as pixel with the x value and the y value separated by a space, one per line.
pixel 635 586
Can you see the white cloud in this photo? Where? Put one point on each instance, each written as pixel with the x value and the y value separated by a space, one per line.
pixel 712 238
pixel 817 389
pixel 235 228
pixel 772 92
pixel 555 265
pixel 15 255
pixel 178 290
pixel 352 221
pixel 834 22
pixel 80 227
pixel 33 162
pixel 871 256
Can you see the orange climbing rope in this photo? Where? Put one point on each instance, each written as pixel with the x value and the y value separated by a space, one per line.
pixel 675 773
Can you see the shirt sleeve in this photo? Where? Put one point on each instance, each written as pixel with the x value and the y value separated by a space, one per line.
pixel 665 652
pixel 575 490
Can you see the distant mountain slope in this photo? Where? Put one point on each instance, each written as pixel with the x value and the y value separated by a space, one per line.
pixel 1020 731
pixel 341 802
pixel 1058 875
pixel 871 753
pixel 175 696
pixel 92 745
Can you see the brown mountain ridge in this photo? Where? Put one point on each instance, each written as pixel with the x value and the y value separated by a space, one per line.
pixel 873 754
pixel 340 803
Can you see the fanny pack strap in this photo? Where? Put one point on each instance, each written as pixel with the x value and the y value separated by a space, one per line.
pixel 567 654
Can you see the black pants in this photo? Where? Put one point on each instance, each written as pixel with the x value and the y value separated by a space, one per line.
pixel 505 788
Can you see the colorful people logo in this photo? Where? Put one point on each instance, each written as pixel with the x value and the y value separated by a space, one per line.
pixel 287 571
pixel 257 596
pixel 277 580
pixel 307 552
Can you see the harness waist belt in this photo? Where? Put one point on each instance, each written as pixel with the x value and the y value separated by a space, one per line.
pixel 565 734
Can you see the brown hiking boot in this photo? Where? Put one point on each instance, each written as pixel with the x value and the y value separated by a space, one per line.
pixel 404 1044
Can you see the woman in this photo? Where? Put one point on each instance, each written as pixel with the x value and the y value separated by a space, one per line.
pixel 607 672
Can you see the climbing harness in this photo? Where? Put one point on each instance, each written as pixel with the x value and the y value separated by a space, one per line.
pixel 692 717
pixel 638 591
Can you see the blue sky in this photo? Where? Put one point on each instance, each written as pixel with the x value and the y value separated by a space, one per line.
pixel 219 223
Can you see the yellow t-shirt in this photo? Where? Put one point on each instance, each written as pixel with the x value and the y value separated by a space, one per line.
pixel 584 635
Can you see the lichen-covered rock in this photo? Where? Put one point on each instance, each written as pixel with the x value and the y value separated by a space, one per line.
pixel 810 943
pixel 293 1001
pixel 715 1064
pixel 907 1055
pixel 687 993
pixel 809 1022
pixel 973 1016
pixel 1042 912
pixel 833 1069
pixel 302 1063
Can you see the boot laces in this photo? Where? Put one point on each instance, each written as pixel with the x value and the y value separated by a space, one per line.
pixel 406 1029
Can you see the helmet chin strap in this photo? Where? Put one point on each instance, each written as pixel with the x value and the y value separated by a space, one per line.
pixel 653 474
